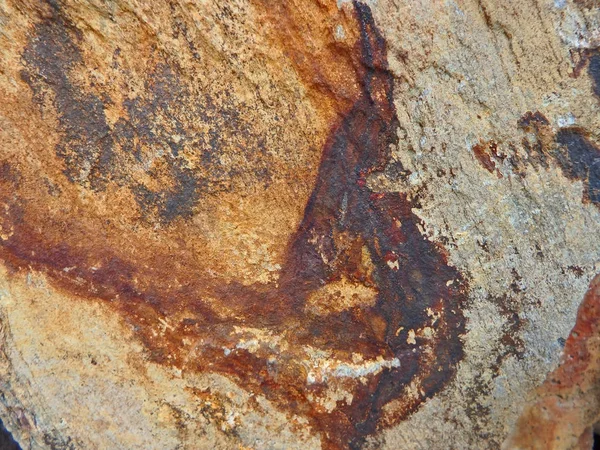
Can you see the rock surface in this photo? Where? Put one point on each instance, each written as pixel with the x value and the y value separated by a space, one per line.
pixel 566 406
pixel 302 224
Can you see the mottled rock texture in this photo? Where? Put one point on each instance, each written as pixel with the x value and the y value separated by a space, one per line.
pixel 300 224
pixel 566 406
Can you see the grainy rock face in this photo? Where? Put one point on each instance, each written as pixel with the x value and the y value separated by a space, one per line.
pixel 566 404
pixel 253 224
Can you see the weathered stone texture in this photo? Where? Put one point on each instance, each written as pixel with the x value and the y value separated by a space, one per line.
pixel 300 224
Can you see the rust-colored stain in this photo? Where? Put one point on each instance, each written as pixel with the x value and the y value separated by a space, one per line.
pixel 487 153
pixel 360 301
pixel 571 148
pixel 566 404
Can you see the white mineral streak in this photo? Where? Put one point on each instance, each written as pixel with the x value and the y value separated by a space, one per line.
pixel 321 367
pixel 256 339
pixel 579 28
pixel 149 400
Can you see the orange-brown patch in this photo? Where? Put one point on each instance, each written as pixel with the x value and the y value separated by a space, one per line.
pixel 210 231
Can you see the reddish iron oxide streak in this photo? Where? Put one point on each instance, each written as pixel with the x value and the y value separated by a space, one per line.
pixel 484 158
pixel 411 274
pixel 484 151
pixel 341 202
pixel 576 365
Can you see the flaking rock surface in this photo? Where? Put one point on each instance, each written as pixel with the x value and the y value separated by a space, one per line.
pixel 302 224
